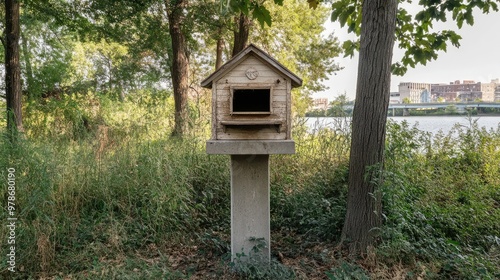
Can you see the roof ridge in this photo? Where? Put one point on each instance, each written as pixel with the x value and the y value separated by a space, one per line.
pixel 231 63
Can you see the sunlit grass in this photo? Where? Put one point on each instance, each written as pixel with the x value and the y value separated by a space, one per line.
pixel 113 195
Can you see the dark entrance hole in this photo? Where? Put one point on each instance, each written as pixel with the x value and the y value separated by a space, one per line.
pixel 252 101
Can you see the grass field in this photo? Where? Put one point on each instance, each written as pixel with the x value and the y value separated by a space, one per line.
pixel 103 192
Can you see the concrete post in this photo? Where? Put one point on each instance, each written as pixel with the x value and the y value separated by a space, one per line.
pixel 250 217
pixel 250 191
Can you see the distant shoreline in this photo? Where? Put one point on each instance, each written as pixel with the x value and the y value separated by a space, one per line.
pixel 452 115
pixel 416 116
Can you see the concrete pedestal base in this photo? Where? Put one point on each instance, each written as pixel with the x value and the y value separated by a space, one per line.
pixel 250 218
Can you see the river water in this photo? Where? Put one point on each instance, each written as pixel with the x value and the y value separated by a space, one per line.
pixel 431 124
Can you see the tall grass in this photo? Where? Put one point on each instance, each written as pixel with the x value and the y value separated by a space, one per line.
pixel 104 192
pixel 96 179
pixel 442 198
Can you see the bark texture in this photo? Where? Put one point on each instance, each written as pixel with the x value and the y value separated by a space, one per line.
pixel 241 33
pixel 180 64
pixel 364 205
pixel 29 69
pixel 12 68
pixel 220 49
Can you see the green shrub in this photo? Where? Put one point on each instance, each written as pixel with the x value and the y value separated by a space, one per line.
pixel 257 266
pixel 439 202
pixel 347 271
pixel 100 180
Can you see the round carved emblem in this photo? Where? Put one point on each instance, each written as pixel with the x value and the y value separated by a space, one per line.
pixel 252 73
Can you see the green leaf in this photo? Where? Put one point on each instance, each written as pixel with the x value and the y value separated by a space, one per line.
pixel 278 2
pixel 455 39
pixel 262 15
pixel 468 17
pixel 349 47
pixel 313 4
pixel 341 11
pixel 398 69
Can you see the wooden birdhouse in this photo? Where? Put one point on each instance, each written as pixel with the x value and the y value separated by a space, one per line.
pixel 251 119
pixel 251 97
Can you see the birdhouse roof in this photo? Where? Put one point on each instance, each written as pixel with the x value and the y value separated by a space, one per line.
pixel 263 56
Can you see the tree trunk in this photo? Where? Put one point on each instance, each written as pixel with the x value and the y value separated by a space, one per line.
pixel 364 204
pixel 241 33
pixel 29 70
pixel 180 64
pixel 218 58
pixel 12 68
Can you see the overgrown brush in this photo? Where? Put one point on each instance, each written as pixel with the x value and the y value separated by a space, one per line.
pixel 441 202
pixel 103 192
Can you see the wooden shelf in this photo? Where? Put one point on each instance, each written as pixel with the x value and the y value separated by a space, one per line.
pixel 253 123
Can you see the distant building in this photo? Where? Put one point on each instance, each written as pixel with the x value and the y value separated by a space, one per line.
pixel 425 96
pixel 395 98
pixel 320 104
pixel 497 89
pixel 468 90
pixel 414 91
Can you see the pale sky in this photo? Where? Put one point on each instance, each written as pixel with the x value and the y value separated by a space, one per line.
pixel 478 58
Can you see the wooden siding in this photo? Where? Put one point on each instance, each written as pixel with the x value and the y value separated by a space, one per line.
pixel 280 103
pixel 214 113
pixel 261 57
pixel 289 111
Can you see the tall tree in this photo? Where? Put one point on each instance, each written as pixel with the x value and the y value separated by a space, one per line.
pixel 379 29
pixel 380 22
pixel 368 124
pixel 219 49
pixel 12 68
pixel 241 32
pixel 180 63
pixel 97 29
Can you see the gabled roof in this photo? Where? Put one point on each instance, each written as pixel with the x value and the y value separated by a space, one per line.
pixel 251 49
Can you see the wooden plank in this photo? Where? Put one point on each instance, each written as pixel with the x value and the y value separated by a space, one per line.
pixel 241 72
pixel 224 129
pixel 279 104
pixel 223 114
pixel 277 115
pixel 223 89
pixel 224 98
pixel 279 91
pixel 242 135
pixel 279 98
pixel 214 113
pixel 232 80
pixel 244 66
pixel 221 128
pixel 288 113
pixel 251 56
pixel 251 122
pixel 281 112
pixel 223 104
pixel 250 60
pixel 231 120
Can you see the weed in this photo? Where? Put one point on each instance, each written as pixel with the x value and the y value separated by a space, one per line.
pixel 347 271
pixel 256 265
pixel 98 181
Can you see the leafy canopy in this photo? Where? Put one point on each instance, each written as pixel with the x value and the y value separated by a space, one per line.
pixel 414 33
pixel 297 38
pixel 255 8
